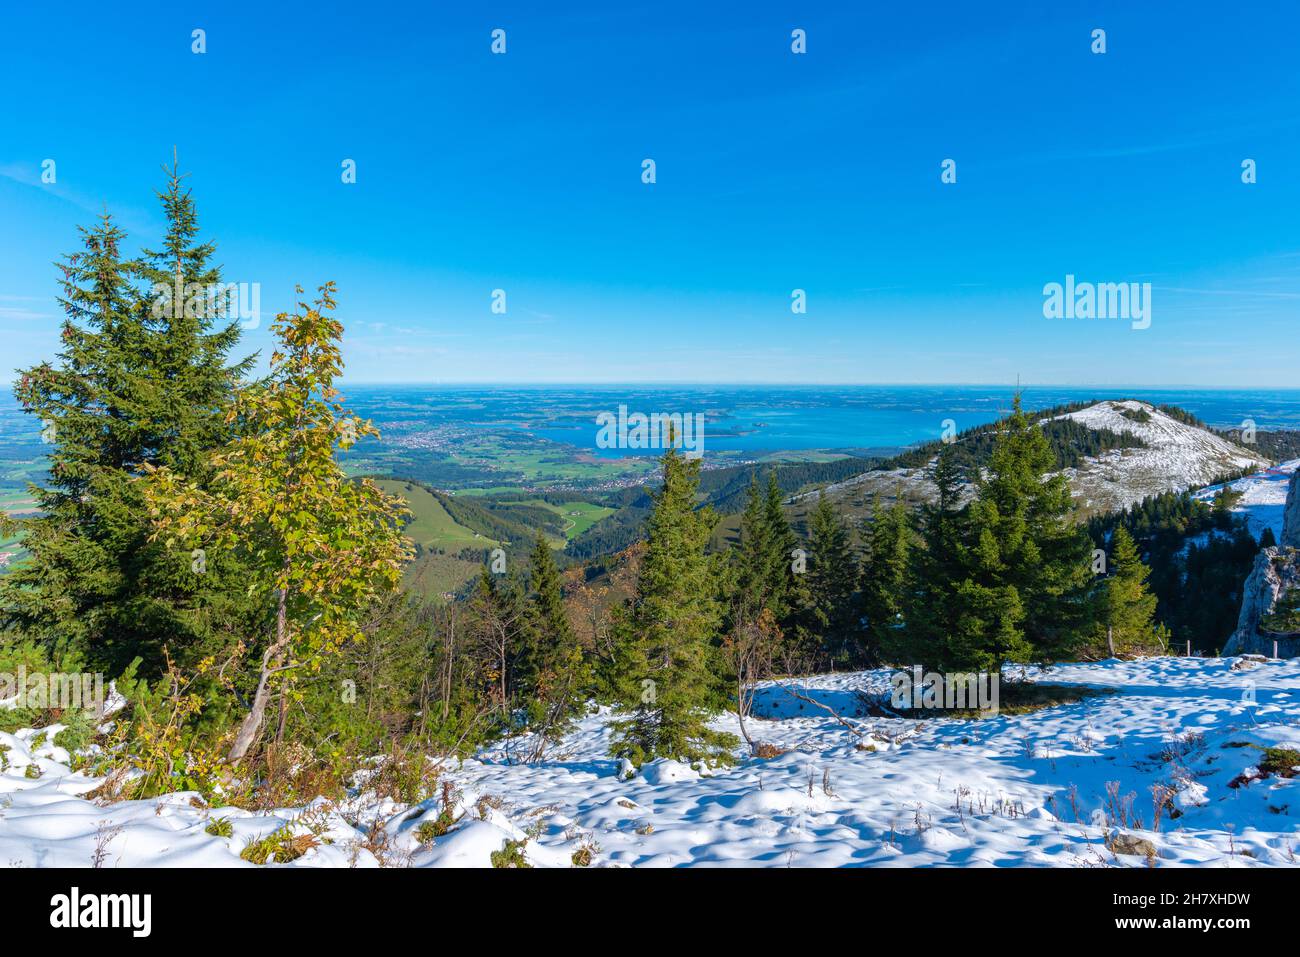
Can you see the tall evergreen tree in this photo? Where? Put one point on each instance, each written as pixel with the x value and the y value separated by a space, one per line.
pixel 988 630
pixel 1044 554
pixel 667 676
pixel 832 581
pixel 1285 616
pixel 885 578
pixel 553 676
pixel 787 590
pixel 763 578
pixel 132 390
pixel 937 566
pixel 64 595
pixel 1022 579
pixel 192 381
pixel 496 628
pixel 754 573
pixel 1127 620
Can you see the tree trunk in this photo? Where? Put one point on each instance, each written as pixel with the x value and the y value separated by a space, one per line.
pixel 1110 640
pixel 284 717
pixel 252 723
pixel 741 709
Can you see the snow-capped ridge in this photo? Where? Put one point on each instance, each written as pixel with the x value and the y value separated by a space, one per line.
pixel 1177 456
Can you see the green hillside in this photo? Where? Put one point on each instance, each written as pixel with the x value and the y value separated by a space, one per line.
pixel 431 525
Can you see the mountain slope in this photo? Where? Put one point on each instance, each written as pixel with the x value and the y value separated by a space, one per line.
pixel 1169 455
pixel 1176 456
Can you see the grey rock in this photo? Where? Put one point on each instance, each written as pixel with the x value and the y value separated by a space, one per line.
pixel 1247 662
pixel 1276 570
pixel 1291 514
pixel 1122 843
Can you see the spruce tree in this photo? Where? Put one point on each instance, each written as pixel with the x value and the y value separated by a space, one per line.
pixel 1127 620
pixel 766 556
pixel 885 579
pixel 194 335
pixel 1284 618
pixel 754 573
pixel 789 589
pixel 553 676
pixel 1008 577
pixel 832 581
pixel 496 629
pixel 761 579
pixel 64 595
pixel 130 391
pixel 936 568
pixel 1033 546
pixel 667 677
pixel 941 521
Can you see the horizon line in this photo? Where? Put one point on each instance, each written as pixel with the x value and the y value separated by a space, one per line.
pixel 663 383
pixel 344 382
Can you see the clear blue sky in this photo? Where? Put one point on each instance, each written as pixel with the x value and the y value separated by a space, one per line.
pixel 775 172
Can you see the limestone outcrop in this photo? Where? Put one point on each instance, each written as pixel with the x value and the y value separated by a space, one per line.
pixel 1276 572
pixel 1291 515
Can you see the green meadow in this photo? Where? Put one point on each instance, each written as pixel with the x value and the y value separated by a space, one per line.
pixel 579 516
pixel 430 525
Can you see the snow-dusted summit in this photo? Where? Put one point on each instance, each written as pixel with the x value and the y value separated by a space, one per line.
pixel 1177 456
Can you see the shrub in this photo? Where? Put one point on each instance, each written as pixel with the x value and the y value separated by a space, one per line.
pixel 80 731
pixel 510 855
pixel 220 827
pixel 164 738
pixel 279 847
pixel 487 803
pixel 404 776
pixel 428 831
pixel 288 774
pixel 1285 617
pixel 1280 761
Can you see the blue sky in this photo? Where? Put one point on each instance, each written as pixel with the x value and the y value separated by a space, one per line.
pixel 775 171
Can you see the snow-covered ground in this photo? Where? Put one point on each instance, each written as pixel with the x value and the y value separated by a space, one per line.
pixel 1263 499
pixel 1029 790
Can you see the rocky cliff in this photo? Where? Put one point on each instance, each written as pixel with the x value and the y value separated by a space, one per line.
pixel 1276 572
pixel 1291 515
